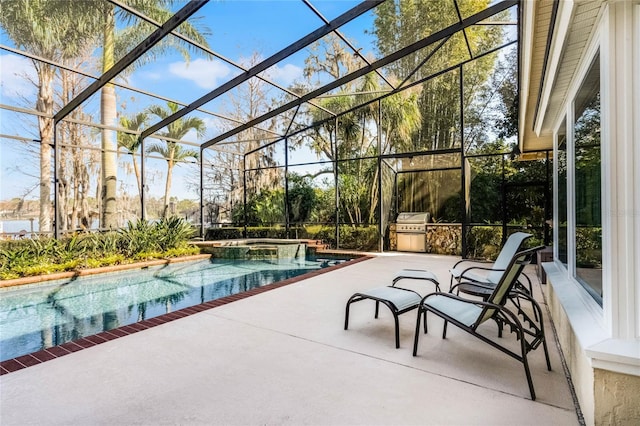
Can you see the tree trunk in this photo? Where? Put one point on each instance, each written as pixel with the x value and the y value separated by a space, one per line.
pixel 73 220
pixel 45 104
pixel 62 188
pixel 167 187
pixel 136 172
pixel 108 118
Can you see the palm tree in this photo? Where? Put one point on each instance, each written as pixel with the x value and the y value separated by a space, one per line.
pixel 171 150
pixel 49 29
pixel 131 142
pixel 115 45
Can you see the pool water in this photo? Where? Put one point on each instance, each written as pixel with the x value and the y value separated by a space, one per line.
pixel 45 315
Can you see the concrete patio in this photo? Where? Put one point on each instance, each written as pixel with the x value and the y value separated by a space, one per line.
pixel 282 357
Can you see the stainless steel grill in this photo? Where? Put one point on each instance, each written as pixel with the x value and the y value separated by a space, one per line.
pixel 411 230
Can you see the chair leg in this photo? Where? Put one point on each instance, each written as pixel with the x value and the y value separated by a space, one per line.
pixel 544 343
pixel 377 309
pixel 500 326
pixel 346 315
pixel 444 329
pixel 417 333
pixel 525 362
pixel 425 321
pixel 395 318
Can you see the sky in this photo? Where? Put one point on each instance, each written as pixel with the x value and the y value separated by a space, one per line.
pixel 239 29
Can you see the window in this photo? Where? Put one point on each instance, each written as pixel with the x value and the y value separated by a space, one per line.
pixel 587 184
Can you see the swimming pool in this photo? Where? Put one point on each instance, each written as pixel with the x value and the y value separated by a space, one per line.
pixel 41 316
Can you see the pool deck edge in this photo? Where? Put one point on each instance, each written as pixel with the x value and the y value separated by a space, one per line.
pixel 44 355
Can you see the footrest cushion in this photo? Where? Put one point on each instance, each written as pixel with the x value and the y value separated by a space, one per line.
pixel 399 297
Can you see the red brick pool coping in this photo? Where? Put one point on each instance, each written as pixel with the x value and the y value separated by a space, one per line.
pixel 54 352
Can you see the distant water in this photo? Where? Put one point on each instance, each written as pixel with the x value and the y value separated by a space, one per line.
pixel 15 226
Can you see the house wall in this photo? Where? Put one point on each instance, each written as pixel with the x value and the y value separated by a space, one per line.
pixel 601 343
pixel 617 398
pixel 605 397
pixel 578 362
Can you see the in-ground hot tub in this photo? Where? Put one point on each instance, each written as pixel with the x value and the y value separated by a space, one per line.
pixel 255 248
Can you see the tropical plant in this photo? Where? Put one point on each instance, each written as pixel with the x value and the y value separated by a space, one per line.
pixel 138 237
pixel 265 208
pixel 139 240
pixel 173 232
pixel 171 150
pixel 131 141
pixel 301 198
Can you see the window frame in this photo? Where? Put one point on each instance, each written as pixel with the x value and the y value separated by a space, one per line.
pixel 584 300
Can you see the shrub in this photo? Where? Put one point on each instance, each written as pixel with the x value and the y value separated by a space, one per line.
pixel 228 233
pixel 362 238
pixel 484 242
pixel 172 233
pixel 139 240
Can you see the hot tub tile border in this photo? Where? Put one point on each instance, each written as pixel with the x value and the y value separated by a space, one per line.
pixel 48 354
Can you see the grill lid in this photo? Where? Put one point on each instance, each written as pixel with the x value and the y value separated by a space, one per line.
pixel 413 217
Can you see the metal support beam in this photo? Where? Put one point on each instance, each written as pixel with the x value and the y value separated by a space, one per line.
pixel 396 195
pixel 433 38
pixel 155 37
pixel 503 191
pixel 56 171
pixel 335 181
pixel 387 94
pixel 287 225
pixel 346 17
pixel 206 49
pixel 380 206
pixel 464 32
pixel 356 52
pixel 202 193
pixel 463 177
pixel 143 210
pixel 408 86
pixel 244 194
pixel 120 85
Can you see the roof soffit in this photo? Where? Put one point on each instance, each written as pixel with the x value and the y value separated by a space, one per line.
pixel 578 35
pixel 536 19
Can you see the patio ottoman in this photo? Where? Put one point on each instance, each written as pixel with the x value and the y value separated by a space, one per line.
pixel 399 300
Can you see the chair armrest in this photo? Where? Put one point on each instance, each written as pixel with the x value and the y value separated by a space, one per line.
pixel 508 315
pixel 473 268
pixel 479 284
pixel 417 274
pixel 471 261
pixel 462 299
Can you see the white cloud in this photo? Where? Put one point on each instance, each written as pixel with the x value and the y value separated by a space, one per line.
pixel 150 75
pixel 285 75
pixel 191 136
pixel 202 72
pixel 15 73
